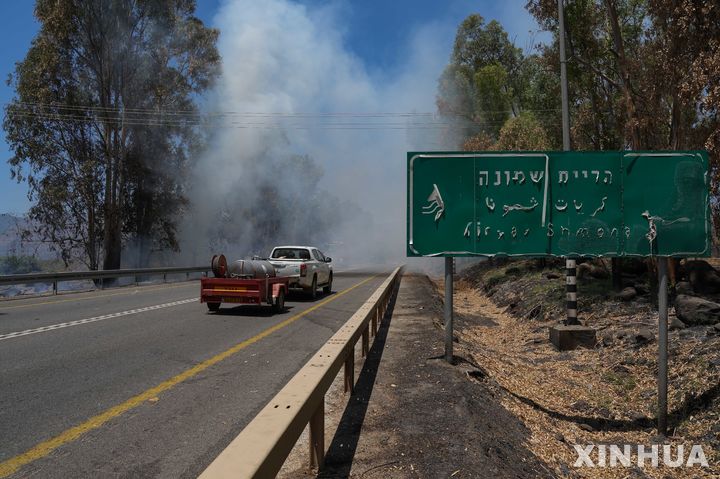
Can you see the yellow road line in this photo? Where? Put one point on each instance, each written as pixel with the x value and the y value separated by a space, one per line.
pixel 134 288
pixel 44 448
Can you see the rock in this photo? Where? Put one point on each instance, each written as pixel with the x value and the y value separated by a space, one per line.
pixel 629 361
pixel 636 416
pixel 683 287
pixel 647 394
pixel 580 405
pixel 587 427
pixel 703 277
pixel 619 368
pixel 675 323
pixel 627 294
pixel 589 270
pixel 717 326
pixel 603 412
pixel 695 311
pixel 559 437
pixel 552 275
pixel 599 272
pixel 583 270
pixel 641 289
pixel 687 333
pixel 644 335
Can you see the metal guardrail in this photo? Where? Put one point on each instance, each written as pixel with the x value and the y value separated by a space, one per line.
pixel 56 278
pixel 260 450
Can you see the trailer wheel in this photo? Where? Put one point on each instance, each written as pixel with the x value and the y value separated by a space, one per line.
pixel 279 304
pixel 213 306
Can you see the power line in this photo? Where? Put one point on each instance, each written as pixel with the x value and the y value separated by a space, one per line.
pixel 195 113
pixel 246 124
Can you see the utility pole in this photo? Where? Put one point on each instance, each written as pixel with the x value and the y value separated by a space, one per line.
pixel 570 265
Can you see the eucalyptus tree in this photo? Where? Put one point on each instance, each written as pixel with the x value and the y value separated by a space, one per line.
pixel 104 121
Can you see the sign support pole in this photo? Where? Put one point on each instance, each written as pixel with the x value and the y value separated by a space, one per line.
pixel 662 344
pixel 449 309
pixel 570 265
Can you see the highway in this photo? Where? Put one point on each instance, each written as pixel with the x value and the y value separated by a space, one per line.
pixel 143 381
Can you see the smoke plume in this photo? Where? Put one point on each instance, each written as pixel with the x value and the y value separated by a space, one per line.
pixel 311 143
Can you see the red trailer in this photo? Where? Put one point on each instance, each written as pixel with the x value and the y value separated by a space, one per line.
pixel 242 289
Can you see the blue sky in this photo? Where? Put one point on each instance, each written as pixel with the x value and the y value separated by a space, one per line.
pixel 376 31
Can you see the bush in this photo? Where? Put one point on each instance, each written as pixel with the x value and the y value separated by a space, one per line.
pixel 492 279
pixel 18 265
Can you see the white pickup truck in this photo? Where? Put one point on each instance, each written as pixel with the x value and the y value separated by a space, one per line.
pixel 306 267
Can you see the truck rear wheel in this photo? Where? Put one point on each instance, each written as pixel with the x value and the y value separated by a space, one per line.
pixel 327 289
pixel 313 288
pixel 279 304
pixel 213 306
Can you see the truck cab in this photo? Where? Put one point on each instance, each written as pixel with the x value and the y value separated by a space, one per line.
pixel 306 267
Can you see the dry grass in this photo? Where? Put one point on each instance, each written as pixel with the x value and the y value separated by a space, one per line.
pixel 612 387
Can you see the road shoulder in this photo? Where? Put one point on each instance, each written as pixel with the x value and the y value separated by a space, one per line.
pixel 414 415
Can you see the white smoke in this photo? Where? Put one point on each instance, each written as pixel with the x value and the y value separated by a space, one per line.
pixel 280 60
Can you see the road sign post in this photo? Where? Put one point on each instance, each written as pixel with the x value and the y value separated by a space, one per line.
pixel 560 204
pixel 662 344
pixel 449 309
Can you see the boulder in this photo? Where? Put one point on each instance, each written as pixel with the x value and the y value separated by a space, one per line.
pixel 627 294
pixel 590 270
pixel 675 323
pixel 703 277
pixel 552 275
pixel 583 270
pixel 644 335
pixel 599 272
pixel 641 289
pixel 683 287
pixel 696 311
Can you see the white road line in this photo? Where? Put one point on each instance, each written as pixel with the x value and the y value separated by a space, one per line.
pixel 69 324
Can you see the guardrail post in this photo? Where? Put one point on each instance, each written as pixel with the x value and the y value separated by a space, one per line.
pixel 350 371
pixel 136 280
pixel 365 341
pixel 317 436
pixel 164 277
pixel 54 287
pixel 187 276
pixel 376 313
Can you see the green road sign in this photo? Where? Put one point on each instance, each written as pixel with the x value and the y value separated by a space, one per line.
pixel 629 203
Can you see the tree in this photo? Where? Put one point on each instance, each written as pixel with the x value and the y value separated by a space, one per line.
pixel 479 86
pixel 523 132
pixel 95 125
pixel 489 82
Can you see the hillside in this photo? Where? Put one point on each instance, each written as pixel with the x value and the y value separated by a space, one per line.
pixel 604 395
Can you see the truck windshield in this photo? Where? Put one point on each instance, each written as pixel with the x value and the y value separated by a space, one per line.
pixel 291 253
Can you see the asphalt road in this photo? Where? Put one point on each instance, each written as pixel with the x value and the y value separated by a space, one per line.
pixel 143 381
